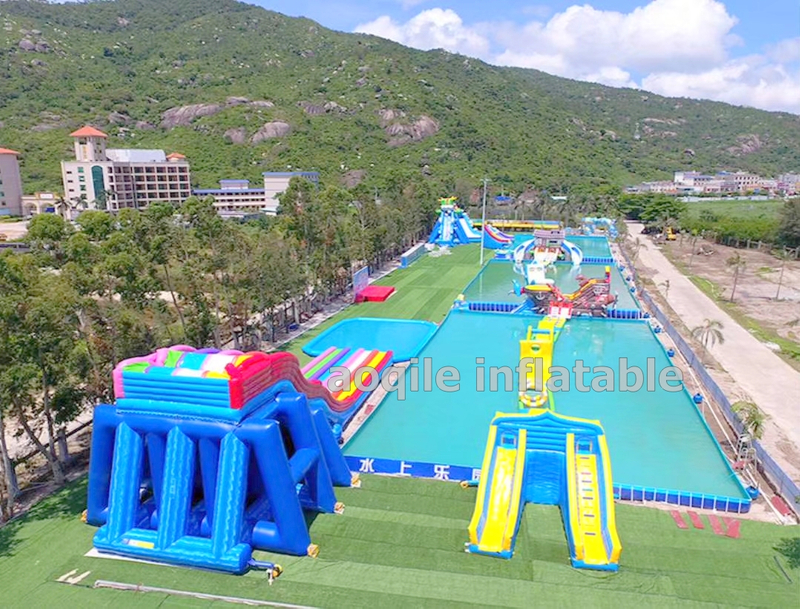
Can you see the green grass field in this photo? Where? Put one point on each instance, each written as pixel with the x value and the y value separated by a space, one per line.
pixel 426 290
pixel 738 209
pixel 400 543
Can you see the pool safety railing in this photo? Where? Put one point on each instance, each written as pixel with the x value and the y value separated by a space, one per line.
pixel 411 255
pixel 493 307
pixel 624 314
pixel 597 260
pixel 784 485
pixel 627 492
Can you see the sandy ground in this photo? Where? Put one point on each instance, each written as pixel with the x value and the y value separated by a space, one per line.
pixel 13 230
pixel 759 374
pixel 756 287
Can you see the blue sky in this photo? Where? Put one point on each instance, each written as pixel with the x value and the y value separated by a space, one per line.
pixel 745 52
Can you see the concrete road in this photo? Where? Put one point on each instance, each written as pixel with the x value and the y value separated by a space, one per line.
pixel 769 381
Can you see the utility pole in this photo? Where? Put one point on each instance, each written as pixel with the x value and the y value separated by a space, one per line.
pixel 483 219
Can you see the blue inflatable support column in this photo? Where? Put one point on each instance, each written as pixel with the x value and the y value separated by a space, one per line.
pixel 128 451
pixel 288 532
pixel 229 503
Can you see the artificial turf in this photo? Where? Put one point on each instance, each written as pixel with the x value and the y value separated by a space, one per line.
pixel 426 290
pixel 400 543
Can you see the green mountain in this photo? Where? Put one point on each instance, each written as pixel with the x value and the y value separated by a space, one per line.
pixel 241 90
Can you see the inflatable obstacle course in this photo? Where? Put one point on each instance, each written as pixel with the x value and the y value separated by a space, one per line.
pixel 207 456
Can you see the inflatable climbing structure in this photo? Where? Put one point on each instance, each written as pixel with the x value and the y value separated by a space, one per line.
pixel 207 456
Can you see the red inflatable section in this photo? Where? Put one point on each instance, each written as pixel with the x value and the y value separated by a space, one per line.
pixel 375 293
pixel 263 370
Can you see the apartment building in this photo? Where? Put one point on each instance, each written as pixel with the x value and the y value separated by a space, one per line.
pixel 10 183
pixel 236 198
pixel 116 178
pixel 276 183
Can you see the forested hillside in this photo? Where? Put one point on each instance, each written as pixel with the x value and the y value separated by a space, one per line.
pixel 241 90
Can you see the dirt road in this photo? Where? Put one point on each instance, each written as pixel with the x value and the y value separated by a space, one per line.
pixel 764 376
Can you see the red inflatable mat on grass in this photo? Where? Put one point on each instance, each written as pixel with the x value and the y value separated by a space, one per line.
pixel 375 293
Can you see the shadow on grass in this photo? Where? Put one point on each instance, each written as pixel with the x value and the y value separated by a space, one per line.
pixel 67 503
pixel 790 548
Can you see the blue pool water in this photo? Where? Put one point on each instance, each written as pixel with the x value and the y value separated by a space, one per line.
pixel 656 438
pixel 591 246
pixel 404 337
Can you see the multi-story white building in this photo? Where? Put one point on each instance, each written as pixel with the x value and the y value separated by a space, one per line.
pixel 745 181
pixel 237 198
pixel 10 183
pixel 115 178
pixel 276 183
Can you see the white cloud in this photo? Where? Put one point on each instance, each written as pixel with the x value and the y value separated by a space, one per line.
pixel 749 81
pixel 672 47
pixel 785 51
pixel 435 28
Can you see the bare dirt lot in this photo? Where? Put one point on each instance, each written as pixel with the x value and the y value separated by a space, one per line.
pixel 756 287
pixel 13 230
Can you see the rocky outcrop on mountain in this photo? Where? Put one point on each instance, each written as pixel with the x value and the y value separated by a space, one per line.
pixel 144 126
pixel 183 116
pixel 746 144
pixel 236 135
pixel 403 133
pixel 271 130
pixel 318 109
pixel 118 118
pixel 353 178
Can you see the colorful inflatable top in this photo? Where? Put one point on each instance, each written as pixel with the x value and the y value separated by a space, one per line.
pixel 183 379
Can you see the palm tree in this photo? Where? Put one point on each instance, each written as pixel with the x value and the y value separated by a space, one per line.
pixel 636 246
pixel 710 332
pixel 665 285
pixel 751 417
pixel 737 262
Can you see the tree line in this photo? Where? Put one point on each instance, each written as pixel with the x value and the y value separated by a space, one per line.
pixel 115 286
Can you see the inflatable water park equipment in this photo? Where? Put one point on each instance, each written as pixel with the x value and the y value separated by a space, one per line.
pixel 593 297
pixel 207 456
pixel 600 226
pixel 536 349
pixel 525 226
pixel 454 227
pixel 533 257
pixel 548 459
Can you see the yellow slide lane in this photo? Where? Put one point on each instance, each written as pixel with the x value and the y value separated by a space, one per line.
pixel 587 505
pixel 504 485
pixel 590 528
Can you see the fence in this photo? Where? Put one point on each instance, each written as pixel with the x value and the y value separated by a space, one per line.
pixel 411 255
pixel 597 260
pixel 625 314
pixel 753 244
pixel 783 483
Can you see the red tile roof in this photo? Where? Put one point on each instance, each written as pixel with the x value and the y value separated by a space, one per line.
pixel 8 151
pixel 176 155
pixel 88 131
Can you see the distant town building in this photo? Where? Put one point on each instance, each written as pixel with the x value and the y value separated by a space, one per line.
pixel 116 178
pixel 10 183
pixel 691 183
pixel 236 198
pixel 39 203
